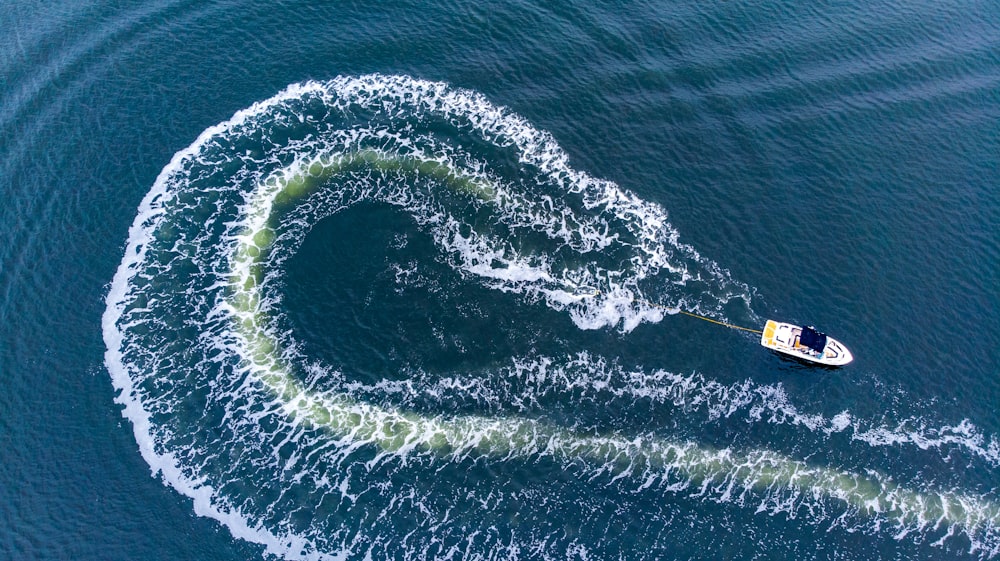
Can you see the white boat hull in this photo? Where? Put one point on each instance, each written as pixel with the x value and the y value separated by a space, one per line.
pixel 784 338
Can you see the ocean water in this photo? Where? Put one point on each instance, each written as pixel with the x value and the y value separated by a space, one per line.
pixel 306 280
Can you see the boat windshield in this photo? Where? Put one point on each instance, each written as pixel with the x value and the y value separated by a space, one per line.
pixel 813 339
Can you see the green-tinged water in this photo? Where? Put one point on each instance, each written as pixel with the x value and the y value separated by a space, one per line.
pixel 390 282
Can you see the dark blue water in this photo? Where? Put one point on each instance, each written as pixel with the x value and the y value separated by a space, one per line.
pixel 343 281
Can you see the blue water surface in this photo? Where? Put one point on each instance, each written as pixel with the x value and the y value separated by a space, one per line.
pixel 826 163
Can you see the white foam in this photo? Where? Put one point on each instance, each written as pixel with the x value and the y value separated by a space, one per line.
pixel 523 384
pixel 304 436
pixel 149 217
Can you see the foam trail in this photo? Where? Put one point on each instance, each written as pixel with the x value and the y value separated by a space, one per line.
pixel 724 472
pixel 212 387
pixel 528 380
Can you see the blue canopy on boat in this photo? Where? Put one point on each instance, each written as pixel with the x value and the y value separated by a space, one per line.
pixel 813 339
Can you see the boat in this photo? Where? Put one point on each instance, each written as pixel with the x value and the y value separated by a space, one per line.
pixel 804 343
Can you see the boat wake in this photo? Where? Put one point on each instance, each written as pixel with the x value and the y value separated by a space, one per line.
pixel 296 455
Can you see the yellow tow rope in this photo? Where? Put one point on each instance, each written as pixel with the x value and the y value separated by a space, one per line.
pixel 720 322
pixel 708 319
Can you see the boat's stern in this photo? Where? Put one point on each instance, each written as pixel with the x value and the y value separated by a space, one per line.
pixel 767 336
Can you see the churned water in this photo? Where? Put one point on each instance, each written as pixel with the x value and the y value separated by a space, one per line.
pixel 299 281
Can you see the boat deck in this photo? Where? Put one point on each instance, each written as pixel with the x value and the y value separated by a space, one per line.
pixel 784 338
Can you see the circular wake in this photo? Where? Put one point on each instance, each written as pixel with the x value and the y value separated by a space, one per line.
pixel 274 444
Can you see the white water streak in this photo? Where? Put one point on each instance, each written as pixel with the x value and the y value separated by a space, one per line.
pixel 758 479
